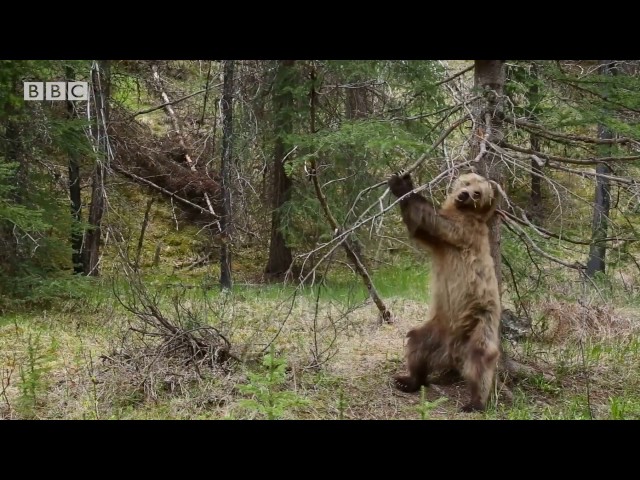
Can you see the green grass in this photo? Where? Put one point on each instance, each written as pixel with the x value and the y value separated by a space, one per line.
pixel 409 281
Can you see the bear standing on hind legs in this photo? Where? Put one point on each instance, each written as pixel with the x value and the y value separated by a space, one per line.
pixel 462 331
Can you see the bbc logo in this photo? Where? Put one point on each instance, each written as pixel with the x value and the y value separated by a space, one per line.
pixel 56 91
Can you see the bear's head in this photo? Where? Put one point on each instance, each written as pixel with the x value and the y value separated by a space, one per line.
pixel 472 193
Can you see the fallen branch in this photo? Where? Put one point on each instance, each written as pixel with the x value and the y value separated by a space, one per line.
pixel 173 333
pixel 173 102
pixel 162 190
pixel 172 116
pixel 518 370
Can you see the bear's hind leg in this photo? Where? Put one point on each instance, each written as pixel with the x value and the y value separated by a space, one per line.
pixel 480 383
pixel 479 368
pixel 424 352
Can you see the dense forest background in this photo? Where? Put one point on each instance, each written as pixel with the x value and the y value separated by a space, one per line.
pixel 215 239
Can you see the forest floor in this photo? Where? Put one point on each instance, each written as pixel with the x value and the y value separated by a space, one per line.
pixel 68 365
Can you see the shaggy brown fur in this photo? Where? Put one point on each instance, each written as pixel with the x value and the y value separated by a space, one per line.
pixel 462 332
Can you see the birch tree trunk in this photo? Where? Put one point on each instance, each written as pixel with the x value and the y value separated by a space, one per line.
pixel 100 85
pixel 602 200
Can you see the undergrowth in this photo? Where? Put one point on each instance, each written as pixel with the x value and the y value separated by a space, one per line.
pixel 59 363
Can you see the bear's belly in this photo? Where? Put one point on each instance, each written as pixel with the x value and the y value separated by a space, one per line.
pixel 464 281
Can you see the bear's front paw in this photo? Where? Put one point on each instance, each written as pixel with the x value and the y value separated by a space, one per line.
pixel 400 183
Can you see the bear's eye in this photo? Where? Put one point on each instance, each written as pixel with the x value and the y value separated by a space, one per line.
pixel 476 194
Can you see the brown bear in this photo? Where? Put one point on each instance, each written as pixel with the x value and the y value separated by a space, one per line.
pixel 461 334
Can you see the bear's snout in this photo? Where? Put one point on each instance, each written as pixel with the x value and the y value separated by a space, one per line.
pixel 463 196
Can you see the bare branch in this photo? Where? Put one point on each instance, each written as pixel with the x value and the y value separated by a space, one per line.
pixel 440 139
pixel 456 75
pixel 483 141
pixel 521 233
pixel 543 232
pixel 341 236
pixel 626 181
pixel 569 82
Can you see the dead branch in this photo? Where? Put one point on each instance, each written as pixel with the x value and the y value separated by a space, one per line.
pixel 146 159
pixel 569 82
pixel 583 173
pixel 347 244
pixel 143 229
pixel 548 134
pixel 190 340
pixel 484 139
pixel 518 370
pixel 341 236
pixel 520 233
pixel 589 161
pixel 544 233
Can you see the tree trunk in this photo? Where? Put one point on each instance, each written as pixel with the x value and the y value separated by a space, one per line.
pixel 14 149
pixel 227 145
pixel 535 205
pixel 280 257
pixel 74 192
pixel 357 107
pixel 489 80
pixel 536 183
pixel 357 104
pixel 100 84
pixel 13 154
pixel 602 201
